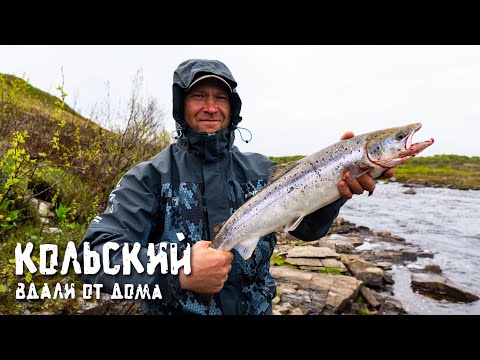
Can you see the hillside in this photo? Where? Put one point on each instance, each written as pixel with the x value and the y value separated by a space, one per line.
pixel 27 108
pixel 29 99
pixel 57 169
pixel 50 152
pixel 47 130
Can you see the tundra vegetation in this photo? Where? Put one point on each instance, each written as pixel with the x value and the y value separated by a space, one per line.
pixel 50 153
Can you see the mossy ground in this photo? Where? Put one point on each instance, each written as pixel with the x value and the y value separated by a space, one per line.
pixel 9 281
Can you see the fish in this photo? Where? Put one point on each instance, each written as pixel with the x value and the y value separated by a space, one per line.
pixel 297 189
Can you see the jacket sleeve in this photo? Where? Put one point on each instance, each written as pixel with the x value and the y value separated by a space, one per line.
pixel 316 225
pixel 132 214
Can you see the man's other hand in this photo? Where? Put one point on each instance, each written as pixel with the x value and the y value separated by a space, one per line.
pixel 348 186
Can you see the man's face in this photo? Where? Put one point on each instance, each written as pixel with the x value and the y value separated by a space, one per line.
pixel 207 106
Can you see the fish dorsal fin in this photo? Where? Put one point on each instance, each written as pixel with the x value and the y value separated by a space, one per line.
pixel 357 170
pixel 277 171
pixel 246 248
pixel 293 225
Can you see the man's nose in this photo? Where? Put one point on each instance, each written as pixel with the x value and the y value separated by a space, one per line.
pixel 210 105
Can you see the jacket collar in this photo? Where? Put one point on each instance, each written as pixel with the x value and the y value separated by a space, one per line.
pixel 207 147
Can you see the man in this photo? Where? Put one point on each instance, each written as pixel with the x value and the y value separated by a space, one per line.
pixel 187 189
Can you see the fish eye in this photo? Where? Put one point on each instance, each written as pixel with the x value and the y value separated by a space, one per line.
pixel 400 135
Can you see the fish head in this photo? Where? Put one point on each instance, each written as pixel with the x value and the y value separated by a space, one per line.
pixel 392 147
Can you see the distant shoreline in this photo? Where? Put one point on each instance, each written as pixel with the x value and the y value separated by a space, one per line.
pixel 426 183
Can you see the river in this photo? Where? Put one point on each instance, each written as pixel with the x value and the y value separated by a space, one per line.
pixel 443 221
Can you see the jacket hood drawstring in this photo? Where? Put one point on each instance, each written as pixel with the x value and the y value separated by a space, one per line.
pixel 179 132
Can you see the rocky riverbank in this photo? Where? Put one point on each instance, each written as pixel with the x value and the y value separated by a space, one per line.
pixel 349 271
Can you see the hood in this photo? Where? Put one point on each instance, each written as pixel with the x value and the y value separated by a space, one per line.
pixel 184 75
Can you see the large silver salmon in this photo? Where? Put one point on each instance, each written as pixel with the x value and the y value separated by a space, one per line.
pixel 303 186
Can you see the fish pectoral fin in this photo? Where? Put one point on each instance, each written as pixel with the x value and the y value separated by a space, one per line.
pixel 357 170
pixel 293 225
pixel 246 248
pixel 217 227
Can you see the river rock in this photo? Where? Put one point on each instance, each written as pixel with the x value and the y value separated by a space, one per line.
pixel 385 265
pixel 365 271
pixel 389 237
pixel 333 263
pixel 323 243
pixel 390 306
pixel 312 252
pixel 428 268
pixel 303 261
pixel 433 268
pixel 369 296
pixel 439 286
pixel 392 256
pixel 320 293
pixel 352 239
pixel 344 247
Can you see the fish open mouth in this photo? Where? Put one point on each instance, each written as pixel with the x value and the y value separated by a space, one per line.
pixel 412 149
pixel 408 142
pixel 395 145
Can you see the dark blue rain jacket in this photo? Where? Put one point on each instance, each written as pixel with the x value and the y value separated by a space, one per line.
pixel 188 188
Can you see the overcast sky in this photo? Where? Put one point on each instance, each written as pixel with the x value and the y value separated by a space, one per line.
pixel 296 99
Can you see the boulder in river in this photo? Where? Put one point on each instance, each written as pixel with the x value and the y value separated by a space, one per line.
pixel 438 286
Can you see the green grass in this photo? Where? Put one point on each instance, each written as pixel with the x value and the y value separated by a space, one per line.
pixel 285 159
pixel 330 270
pixel 454 171
pixel 280 261
pixel 363 311
pixel 8 279
pixel 36 93
pixel 76 177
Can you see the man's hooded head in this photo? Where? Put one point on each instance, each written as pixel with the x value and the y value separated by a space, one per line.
pixel 192 71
